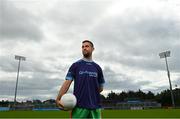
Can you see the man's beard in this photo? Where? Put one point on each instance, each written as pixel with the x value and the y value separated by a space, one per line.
pixel 86 55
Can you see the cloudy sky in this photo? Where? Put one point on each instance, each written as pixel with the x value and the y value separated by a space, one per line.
pixel 128 36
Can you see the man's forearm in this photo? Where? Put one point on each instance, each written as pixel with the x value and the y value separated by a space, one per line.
pixel 64 89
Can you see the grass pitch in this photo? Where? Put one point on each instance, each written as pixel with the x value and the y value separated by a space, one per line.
pixel 127 114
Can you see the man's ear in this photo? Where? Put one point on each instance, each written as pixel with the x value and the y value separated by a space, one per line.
pixel 93 49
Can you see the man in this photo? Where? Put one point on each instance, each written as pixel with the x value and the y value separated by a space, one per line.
pixel 88 83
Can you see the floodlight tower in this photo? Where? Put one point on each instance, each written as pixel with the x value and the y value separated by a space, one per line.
pixel 17 57
pixel 165 55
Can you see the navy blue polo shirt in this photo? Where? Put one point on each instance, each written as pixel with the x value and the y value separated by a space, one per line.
pixel 88 78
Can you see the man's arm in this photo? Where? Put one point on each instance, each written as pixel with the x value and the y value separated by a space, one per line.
pixel 62 91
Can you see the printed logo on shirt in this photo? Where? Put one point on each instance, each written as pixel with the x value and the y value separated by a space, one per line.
pixel 91 74
pixel 88 63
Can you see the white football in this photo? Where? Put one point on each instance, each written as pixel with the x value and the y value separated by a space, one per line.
pixel 69 101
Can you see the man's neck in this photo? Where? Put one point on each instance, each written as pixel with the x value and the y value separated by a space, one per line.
pixel 87 59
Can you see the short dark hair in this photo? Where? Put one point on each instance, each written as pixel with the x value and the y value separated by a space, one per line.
pixel 88 42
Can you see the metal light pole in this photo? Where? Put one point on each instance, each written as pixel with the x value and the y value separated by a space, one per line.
pixel 165 55
pixel 23 59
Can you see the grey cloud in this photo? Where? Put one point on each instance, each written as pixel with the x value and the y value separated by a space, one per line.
pixel 38 86
pixel 129 34
pixel 18 23
pixel 151 63
pixel 7 64
pixel 173 61
pixel 175 84
pixel 76 17
pixel 36 79
pixel 135 39
pixel 135 26
pixel 121 82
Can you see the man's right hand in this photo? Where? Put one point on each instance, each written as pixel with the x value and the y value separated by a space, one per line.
pixel 59 104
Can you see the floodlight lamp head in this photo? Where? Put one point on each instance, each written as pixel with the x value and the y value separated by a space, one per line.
pixel 17 57
pixel 164 54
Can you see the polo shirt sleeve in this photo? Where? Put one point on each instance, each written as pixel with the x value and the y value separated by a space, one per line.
pixel 71 73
